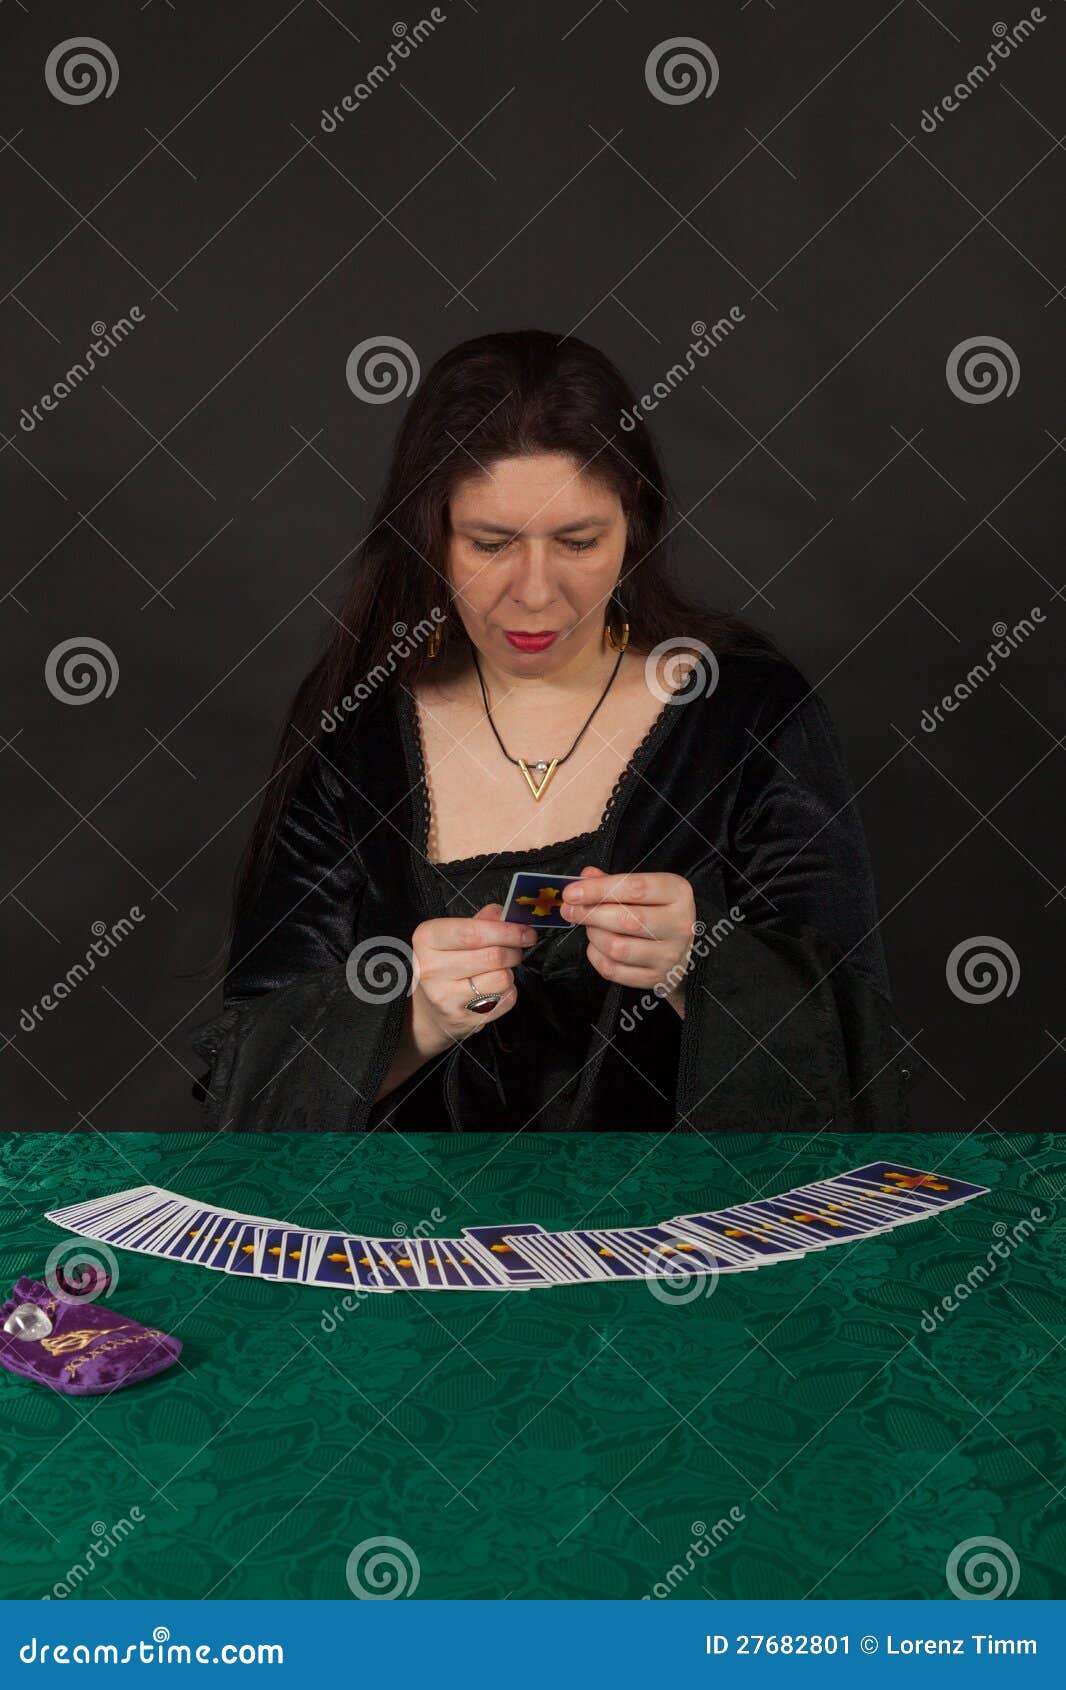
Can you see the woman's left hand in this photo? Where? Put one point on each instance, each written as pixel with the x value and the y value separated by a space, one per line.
pixel 640 928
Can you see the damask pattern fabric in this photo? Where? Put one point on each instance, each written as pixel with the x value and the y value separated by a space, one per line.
pixel 862 1413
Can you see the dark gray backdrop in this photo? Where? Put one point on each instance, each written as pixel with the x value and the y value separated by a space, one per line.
pixel 851 483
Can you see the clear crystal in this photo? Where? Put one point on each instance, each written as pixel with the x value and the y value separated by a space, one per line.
pixel 28 1322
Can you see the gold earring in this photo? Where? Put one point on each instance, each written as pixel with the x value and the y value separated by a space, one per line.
pixel 433 644
pixel 616 643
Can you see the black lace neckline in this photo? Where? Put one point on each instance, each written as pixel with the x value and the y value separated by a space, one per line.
pixel 411 731
pixel 527 853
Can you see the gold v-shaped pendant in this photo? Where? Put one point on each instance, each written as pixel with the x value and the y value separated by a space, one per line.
pixel 549 768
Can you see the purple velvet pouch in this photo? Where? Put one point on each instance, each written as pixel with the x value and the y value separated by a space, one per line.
pixel 82 1348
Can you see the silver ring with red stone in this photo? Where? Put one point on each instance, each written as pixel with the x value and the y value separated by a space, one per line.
pixel 481 1002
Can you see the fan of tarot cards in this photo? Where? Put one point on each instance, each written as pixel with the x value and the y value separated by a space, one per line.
pixel 845 1207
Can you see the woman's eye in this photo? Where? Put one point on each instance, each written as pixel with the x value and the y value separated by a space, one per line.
pixel 492 547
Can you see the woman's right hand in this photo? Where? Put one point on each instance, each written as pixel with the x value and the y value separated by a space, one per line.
pixel 450 951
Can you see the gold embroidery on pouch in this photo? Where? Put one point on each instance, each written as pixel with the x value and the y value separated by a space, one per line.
pixel 64 1341
pixel 71 1368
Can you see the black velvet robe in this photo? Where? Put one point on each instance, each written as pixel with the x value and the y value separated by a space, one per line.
pixel 742 789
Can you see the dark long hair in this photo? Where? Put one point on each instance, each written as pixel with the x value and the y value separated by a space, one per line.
pixel 497 396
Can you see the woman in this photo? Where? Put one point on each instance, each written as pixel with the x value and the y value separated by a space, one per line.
pixel 514 683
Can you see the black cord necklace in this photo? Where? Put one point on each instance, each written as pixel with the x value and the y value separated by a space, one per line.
pixel 544 770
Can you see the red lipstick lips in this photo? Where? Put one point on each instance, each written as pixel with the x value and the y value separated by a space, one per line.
pixel 528 642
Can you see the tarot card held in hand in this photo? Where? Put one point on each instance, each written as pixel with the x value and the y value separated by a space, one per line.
pixel 535 899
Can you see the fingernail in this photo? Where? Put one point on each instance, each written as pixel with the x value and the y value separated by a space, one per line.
pixel 574 894
pixel 529 937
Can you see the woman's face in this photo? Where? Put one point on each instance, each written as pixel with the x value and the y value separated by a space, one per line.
pixel 535 547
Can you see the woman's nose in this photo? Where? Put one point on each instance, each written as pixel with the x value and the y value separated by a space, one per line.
pixel 532 583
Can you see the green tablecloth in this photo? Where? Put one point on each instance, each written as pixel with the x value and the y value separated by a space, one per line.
pixel 797 1432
